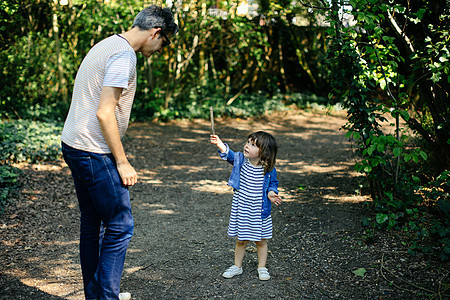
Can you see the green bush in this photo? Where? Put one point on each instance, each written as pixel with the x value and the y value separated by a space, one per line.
pixel 8 183
pixel 245 105
pixel 23 140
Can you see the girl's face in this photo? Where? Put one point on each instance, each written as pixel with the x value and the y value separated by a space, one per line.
pixel 251 151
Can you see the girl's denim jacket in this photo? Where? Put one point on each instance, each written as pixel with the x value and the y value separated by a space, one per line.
pixel 270 179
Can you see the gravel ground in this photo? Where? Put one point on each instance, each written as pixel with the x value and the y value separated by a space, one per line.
pixel 181 207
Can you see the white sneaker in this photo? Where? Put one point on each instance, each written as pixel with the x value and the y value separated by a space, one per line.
pixel 263 273
pixel 232 271
pixel 124 296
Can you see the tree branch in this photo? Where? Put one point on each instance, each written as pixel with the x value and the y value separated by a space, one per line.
pixel 415 125
pixel 237 95
pixel 400 32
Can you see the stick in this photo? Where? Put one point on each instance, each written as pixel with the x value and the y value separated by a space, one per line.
pixel 211 111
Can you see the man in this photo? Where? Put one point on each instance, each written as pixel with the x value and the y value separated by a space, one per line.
pixel 91 143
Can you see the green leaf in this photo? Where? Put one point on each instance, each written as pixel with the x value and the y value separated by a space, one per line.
pixel 380 148
pixel 374 162
pixel 405 115
pixel 301 187
pixel 360 272
pixel 436 77
pixel 423 155
pixel 381 218
pixel 392 223
pixel 358 167
pixel 365 222
pixel 383 84
pixel 390 195
pixel 420 13
pixel 397 151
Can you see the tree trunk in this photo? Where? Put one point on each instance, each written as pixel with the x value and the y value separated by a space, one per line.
pixel 62 84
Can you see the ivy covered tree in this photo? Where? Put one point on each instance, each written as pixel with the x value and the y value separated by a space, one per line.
pixel 394 63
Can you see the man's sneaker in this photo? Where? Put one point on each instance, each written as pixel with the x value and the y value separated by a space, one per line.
pixel 124 296
pixel 232 271
pixel 263 273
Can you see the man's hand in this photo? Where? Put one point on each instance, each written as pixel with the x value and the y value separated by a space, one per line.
pixel 127 173
pixel 274 198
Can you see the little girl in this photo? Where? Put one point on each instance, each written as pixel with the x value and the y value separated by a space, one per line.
pixel 255 184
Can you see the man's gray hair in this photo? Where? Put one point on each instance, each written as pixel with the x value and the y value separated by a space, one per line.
pixel 154 16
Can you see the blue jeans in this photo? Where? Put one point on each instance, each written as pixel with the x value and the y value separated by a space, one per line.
pixel 106 223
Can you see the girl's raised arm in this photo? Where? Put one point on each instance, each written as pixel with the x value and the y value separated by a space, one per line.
pixel 215 140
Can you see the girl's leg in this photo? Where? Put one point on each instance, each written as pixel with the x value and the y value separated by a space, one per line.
pixel 239 252
pixel 262 249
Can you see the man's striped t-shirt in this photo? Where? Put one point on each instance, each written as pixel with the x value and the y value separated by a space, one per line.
pixel 111 62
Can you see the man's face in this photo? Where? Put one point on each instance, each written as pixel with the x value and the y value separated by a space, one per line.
pixel 155 42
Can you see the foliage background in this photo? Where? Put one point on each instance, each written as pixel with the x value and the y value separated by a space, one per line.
pixel 212 59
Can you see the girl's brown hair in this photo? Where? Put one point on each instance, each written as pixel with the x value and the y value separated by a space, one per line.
pixel 267 149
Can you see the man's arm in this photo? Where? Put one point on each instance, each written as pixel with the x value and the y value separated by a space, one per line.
pixel 108 123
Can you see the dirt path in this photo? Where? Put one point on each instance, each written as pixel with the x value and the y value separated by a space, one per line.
pixel 181 207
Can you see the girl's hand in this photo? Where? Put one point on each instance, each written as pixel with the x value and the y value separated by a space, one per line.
pixel 215 140
pixel 274 198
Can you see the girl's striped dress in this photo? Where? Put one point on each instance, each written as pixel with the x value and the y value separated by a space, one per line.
pixel 245 218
